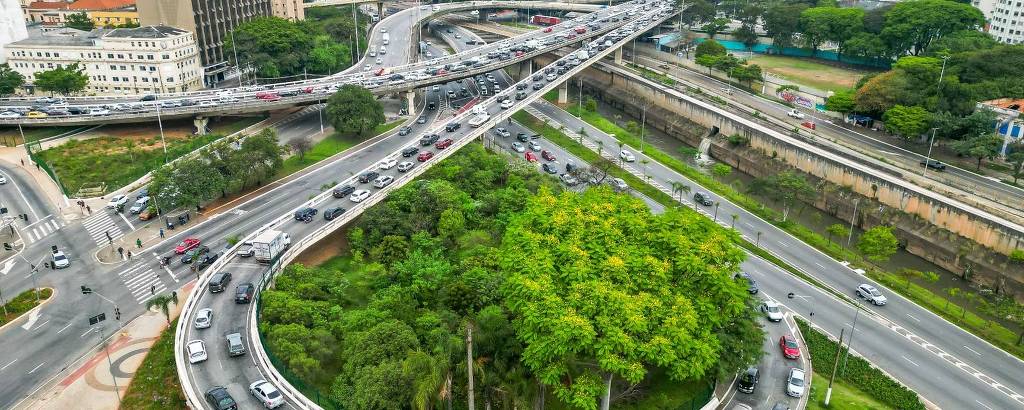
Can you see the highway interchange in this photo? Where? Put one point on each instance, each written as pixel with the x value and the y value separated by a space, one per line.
pixel 61 326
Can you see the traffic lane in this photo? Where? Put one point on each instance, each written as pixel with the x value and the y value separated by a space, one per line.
pixel 21 195
pixel 773 369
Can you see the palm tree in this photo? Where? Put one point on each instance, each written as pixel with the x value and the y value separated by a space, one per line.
pixel 734 218
pixel 677 188
pixel 686 190
pixel 164 303
pixel 429 377
pixel 600 147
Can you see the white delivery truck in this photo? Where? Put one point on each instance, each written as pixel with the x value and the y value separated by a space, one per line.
pixel 270 244
pixel 477 121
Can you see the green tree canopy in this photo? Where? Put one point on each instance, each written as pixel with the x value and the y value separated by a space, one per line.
pixel 781 22
pixel 274 46
pixel 979 147
pixel 841 102
pixel 80 21
pixel 63 80
pixel 698 12
pixel 878 243
pixel 599 286
pixel 354 110
pixel 10 80
pixel 820 24
pixel 787 187
pixel 709 48
pixel 911 26
pixel 907 122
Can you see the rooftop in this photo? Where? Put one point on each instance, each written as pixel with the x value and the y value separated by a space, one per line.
pixel 147 32
pixel 82 5
pixel 72 37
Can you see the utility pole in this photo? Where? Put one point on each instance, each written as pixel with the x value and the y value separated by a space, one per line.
pixel 852 220
pixel 931 142
pixel 849 343
pixel 828 393
pixel 160 123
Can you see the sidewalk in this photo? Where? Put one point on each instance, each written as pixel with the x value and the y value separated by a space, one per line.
pixel 18 157
pixel 89 383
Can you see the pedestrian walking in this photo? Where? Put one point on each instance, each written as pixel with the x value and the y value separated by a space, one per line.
pixel 23 162
pixel 161 232
pixel 138 242
pixel 88 209
pixel 129 255
pixel 120 251
pixel 37 166
pixel 109 238
pixel 152 290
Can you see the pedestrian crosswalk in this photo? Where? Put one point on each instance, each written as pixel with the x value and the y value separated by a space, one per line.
pixel 39 230
pixel 144 279
pixel 99 225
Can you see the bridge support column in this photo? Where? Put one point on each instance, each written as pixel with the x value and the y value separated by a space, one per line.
pixel 410 101
pixel 201 125
pixel 380 10
pixel 563 93
pixel 525 69
pixel 618 56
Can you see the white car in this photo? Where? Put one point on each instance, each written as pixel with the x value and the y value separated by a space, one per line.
pixel 795 382
pixel 379 61
pixel 99 111
pixel 405 166
pixel 507 104
pixel 383 30
pixel 117 200
pixel 267 394
pixel 196 350
pixel 3 180
pixel 9 114
pixel 871 294
pixel 517 147
pixel 139 205
pixel 387 163
pixel 359 195
pixel 204 318
pixel 627 156
pixel 794 113
pixel 771 311
pixel 435 88
pixel 60 261
pixel 534 146
pixel 383 181
pixel 367 67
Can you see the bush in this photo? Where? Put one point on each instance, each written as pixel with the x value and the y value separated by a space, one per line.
pixel 22 303
pixel 738 140
pixel 859 373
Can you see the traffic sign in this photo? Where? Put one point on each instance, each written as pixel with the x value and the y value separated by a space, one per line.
pixel 98 318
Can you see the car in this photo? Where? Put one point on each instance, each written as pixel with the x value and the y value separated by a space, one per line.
pixel 424 156
pixel 537 86
pixel 429 140
pixel 871 294
pixel 305 213
pixel 236 345
pixel 387 163
pixel 204 318
pixel 142 193
pixel 501 132
pixel 405 166
pixel 404 130
pixel 550 77
pixel 547 155
pixel 196 350
pixel 445 143
pixel 367 67
pixel 244 292
pixel 933 164
pixel 331 213
pixel 507 104
pixel 794 113
pixel 219 281
pixel 117 200
pixel 522 137
pixel 702 198
pixel 534 146
pixel 219 398
pixel 551 168
pixel 452 126
pixel 368 176
pixel 795 382
pixel 60 261
pixel 530 157
pixel 618 184
pixel 342 191
pixel 518 147
pixel 547 29
pixel 359 196
pixel 568 179
pixel 772 311
pixel 790 348
pixel 9 114
pixel 751 283
pixel 186 244
pixel 421 120
pixel 627 156
pixel 267 394
pixel 379 61
pixel 206 260
pixel 194 253
pixel 139 205
pixel 537 77
pixel 3 180
pixel 748 380
pixel 383 181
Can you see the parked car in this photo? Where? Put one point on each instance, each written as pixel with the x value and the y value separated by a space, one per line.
pixel 219 398
pixel 547 155
pixel 795 382
pixel 618 184
pixel 196 350
pixel 342 191
pixel 359 196
pixel 871 294
pixel 405 166
pixel 568 179
pixel 267 394
pixel 751 283
pixel 204 318
pixel 702 198
pixel 748 380
pixel 331 213
pixel 518 147
pixel 219 281
pixel 236 345
pixel 772 311
pixel 244 292
pixel 502 132
pixel 186 244
pixel 530 157
pixel 790 348
pixel 551 168
pixel 534 146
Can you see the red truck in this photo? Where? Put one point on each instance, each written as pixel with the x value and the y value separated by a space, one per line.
pixel 545 20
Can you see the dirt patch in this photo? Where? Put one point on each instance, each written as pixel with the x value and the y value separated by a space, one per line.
pixel 811 72
pixel 330 246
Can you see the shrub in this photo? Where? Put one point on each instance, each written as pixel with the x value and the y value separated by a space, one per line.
pixel 738 140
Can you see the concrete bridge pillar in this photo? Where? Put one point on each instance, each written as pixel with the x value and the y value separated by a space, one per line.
pixel 380 10
pixel 618 56
pixel 410 101
pixel 201 125
pixel 563 93
pixel 525 69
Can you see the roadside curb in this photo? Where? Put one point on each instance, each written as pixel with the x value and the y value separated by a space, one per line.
pixel 53 296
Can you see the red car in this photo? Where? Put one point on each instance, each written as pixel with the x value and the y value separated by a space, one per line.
pixel 519 53
pixel 580 30
pixel 570 36
pixel 531 157
pixel 790 349
pixel 547 30
pixel 186 245
pixel 424 156
pixel 445 143
pixel 547 155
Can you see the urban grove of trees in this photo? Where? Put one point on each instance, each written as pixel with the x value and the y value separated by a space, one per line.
pixel 480 285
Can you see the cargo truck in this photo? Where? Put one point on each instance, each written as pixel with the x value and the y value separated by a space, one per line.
pixel 545 20
pixel 269 245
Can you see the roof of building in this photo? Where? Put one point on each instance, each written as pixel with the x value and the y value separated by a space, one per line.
pixel 1011 104
pixel 48 5
pixel 157 31
pixel 82 5
pixel 61 37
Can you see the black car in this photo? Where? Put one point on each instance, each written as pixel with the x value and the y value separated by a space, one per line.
pixel 521 86
pixel 220 399
pixel 702 198
pixel 537 86
pixel 408 152
pixel 404 130
pixel 751 283
pixel 933 164
pixel 244 292
pixel 522 137
pixel 343 191
pixel 149 97
pixel 549 168
pixel 331 213
pixel 426 141
pixel 537 77
pixel 748 380
pixel 206 260
pixel 194 254
pixel 452 126
pixel 431 106
pixel 369 176
pixel 549 70
pixel 520 95
pixel 219 281
pixel 560 63
pixel 305 213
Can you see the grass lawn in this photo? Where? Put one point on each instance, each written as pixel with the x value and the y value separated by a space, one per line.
pixel 328 147
pixel 809 72
pixel 22 303
pixel 155 384
pixel 844 397
pixel 10 136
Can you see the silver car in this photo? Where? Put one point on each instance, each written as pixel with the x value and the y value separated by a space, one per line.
pixel 795 382
pixel 871 294
pixel 204 318
pixel 517 147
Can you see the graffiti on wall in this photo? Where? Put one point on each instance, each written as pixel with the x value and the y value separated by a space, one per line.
pixel 794 98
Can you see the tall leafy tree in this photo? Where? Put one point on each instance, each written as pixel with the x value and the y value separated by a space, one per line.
pixel 746 35
pixel 907 122
pixel 257 160
pixel 80 21
pixel 64 80
pixel 781 22
pixel 197 181
pixel 715 26
pixel 602 290
pixel 698 12
pixel 354 110
pixel 10 80
pixel 274 46
pixel 747 73
pixel 709 47
pixel 911 26
pixel 980 147
pixel 878 243
pixel 787 187
pixel 841 102
pixel 328 57
pixel 838 25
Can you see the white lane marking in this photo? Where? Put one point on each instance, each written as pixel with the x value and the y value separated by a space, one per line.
pixel 784 244
pixel 32 318
pixel 172 274
pixel 983 405
pixel 64 328
pixel 132 227
pixel 56 226
pixel 8 364
pixel 86 332
pixel 819 265
pixel 43 324
pixel 850 326
pixel 35 216
pixel 916 319
pixel 911 362
pixel 7 266
pixel 972 350
pixel 36 368
pixel 38 222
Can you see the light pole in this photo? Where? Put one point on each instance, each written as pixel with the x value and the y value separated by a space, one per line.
pixel 643 126
pixel 579 114
pixel 852 220
pixel 160 123
pixel 828 393
pixel 931 142
pixel 234 50
pixel 321 112
pixel 849 343
pixel 716 210
pixel 34 269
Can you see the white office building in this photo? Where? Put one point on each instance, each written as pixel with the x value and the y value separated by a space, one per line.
pixel 12 25
pixel 1005 19
pixel 140 60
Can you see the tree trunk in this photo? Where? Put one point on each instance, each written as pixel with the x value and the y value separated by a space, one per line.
pixel 469 364
pixel 978 168
pixel 606 400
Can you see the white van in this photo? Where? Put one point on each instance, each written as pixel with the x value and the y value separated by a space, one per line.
pixel 479 120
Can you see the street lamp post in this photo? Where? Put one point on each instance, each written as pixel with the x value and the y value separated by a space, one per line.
pixel 849 343
pixel 852 220
pixel 579 113
pixel 931 142
pixel 643 126
pixel 160 123
pixel 828 393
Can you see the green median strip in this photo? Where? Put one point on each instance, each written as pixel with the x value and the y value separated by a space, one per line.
pixel 327 148
pixel 155 383
pixel 24 302
pixel 938 304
